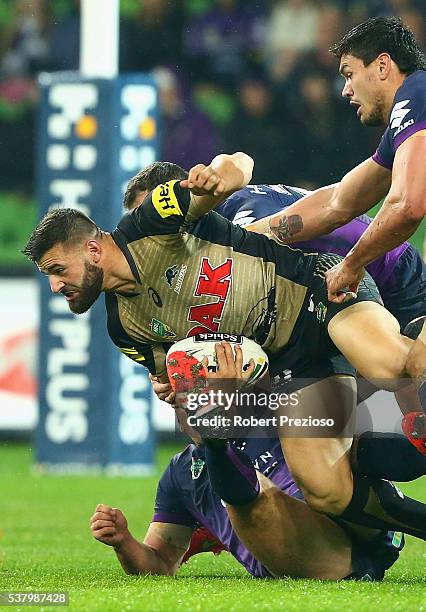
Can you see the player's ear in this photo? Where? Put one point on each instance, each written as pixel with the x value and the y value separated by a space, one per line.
pixel 384 63
pixel 95 250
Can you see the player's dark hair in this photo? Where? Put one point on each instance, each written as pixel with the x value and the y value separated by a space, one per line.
pixel 148 179
pixel 60 226
pixel 382 35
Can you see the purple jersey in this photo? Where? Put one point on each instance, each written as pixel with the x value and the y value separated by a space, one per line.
pixel 185 495
pixel 257 201
pixel 408 116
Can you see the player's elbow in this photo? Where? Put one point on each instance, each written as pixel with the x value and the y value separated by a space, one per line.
pixel 339 212
pixel 158 568
pixel 245 163
pixel 414 207
pixel 331 502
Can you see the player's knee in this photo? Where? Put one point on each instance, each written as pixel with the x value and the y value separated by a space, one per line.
pixel 416 360
pixel 327 502
pixel 391 369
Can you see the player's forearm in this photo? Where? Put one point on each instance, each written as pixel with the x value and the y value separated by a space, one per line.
pixel 325 209
pixel 393 224
pixel 137 558
pixel 311 216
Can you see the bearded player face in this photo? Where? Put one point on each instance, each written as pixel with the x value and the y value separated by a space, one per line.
pixel 73 276
pixel 80 299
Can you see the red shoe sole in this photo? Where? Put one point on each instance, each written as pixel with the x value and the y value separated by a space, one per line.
pixel 414 427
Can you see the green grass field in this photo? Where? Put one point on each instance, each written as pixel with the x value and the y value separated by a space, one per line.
pixel 46 545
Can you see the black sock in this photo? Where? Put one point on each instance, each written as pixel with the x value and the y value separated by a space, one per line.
pixel 378 504
pixel 388 455
pixel 232 474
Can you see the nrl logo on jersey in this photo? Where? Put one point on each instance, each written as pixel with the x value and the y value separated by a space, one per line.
pixel 162 329
pixel 399 112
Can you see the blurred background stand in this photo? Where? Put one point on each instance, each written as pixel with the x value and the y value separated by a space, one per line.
pixel 96 129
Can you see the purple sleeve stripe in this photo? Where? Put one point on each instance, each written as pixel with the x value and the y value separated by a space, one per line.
pixel 413 129
pixel 176 519
pixel 379 160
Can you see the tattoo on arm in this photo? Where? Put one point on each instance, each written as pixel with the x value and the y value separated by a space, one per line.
pixel 287 227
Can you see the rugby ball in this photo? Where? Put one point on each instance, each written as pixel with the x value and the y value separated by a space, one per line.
pixel 195 348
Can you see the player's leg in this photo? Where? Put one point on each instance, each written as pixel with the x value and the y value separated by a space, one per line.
pixel 321 468
pixel 414 422
pixel 368 336
pixel 416 360
pixel 321 465
pixel 407 397
pixel 386 455
pixel 290 539
pixel 363 330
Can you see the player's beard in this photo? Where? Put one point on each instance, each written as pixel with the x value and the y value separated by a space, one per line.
pixel 91 287
pixel 377 116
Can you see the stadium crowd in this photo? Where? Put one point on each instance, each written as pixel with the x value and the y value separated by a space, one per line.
pixel 221 65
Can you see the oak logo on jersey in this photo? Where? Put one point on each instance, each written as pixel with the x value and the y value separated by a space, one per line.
pixel 162 329
pixel 165 201
pixel 214 282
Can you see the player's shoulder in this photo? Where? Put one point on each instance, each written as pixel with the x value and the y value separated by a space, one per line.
pixel 413 85
pixel 409 104
pixel 408 112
